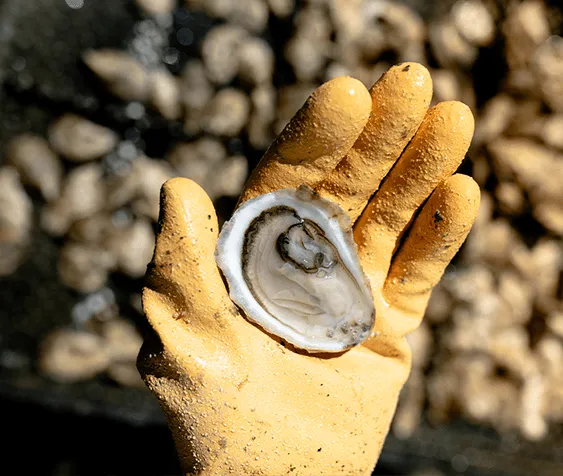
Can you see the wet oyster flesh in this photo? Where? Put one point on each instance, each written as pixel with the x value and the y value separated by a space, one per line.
pixel 291 264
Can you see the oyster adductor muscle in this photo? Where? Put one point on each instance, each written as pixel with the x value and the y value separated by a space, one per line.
pixel 292 266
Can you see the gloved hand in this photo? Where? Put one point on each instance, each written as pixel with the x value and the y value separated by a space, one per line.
pixel 236 399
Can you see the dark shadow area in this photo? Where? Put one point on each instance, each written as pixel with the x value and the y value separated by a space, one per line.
pixel 51 443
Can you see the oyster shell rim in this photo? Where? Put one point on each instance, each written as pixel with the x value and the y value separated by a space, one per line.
pixel 230 244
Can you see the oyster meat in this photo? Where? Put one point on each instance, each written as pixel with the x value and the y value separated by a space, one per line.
pixel 291 264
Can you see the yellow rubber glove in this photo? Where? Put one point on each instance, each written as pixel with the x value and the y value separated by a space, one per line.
pixel 239 401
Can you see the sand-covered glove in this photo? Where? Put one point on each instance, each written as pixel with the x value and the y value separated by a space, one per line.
pixel 239 401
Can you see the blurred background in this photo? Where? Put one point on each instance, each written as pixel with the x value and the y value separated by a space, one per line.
pixel 103 100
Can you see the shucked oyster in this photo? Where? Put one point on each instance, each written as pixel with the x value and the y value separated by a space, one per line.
pixel 291 264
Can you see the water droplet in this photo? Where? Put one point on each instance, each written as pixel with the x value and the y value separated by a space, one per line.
pixel 135 110
pixel 172 55
pixel 182 16
pixel 122 218
pixel 127 150
pixel 185 36
pixel 19 64
pixel 75 4
pixel 132 134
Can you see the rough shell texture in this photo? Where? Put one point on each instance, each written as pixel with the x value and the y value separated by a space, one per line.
pixel 291 264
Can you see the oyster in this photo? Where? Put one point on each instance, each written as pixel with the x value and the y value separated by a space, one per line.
pixel 291 264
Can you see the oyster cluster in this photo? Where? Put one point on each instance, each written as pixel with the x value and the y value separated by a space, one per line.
pixel 290 260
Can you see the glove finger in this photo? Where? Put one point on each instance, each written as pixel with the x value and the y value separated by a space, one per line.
pixel 399 101
pixel 434 239
pixel 183 272
pixel 315 140
pixel 433 155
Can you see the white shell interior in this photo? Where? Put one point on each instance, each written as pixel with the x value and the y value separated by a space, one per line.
pixel 320 308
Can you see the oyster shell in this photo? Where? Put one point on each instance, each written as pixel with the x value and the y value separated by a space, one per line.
pixel 291 264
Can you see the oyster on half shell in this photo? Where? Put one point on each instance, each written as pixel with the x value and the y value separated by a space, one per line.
pixel 292 266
